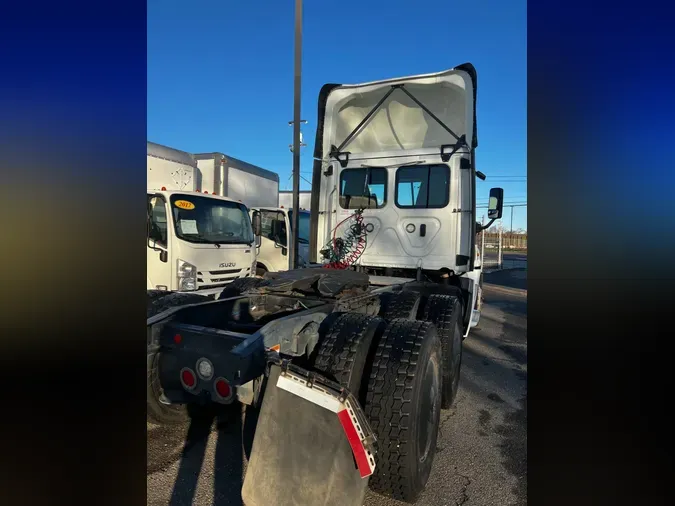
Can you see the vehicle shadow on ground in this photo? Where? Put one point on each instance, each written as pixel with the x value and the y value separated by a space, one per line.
pixel 228 467
pixel 486 377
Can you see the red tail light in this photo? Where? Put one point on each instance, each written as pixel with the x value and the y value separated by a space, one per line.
pixel 188 378
pixel 223 388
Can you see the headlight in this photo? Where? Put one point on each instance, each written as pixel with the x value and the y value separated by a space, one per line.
pixel 187 276
pixel 186 285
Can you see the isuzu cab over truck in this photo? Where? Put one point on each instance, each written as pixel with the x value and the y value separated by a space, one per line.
pixel 345 366
pixel 195 242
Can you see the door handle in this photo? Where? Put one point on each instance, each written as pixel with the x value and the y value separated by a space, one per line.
pixel 423 230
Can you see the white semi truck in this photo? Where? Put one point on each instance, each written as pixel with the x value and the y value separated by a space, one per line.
pixel 397 157
pixel 196 242
pixel 349 363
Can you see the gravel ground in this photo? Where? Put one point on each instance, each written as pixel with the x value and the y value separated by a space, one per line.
pixel 481 454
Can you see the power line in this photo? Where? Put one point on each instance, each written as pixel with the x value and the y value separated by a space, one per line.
pixel 485 206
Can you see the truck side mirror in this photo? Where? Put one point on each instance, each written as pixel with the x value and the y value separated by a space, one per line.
pixel 279 233
pixel 496 203
pixel 257 224
pixel 152 244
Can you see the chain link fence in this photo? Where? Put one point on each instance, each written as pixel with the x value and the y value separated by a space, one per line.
pixel 502 250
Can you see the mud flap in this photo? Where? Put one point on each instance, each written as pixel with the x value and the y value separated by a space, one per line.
pixel 312 444
pixel 476 311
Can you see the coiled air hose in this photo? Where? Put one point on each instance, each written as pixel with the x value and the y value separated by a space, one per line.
pixel 342 252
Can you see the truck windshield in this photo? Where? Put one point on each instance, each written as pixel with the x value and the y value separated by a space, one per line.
pixel 207 220
pixel 303 226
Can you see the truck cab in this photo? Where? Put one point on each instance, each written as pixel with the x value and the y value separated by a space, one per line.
pixel 197 243
pixel 397 157
pixel 274 243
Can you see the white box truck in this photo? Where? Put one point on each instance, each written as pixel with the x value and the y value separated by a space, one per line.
pixel 196 242
pixel 286 199
pixel 258 189
pixel 229 177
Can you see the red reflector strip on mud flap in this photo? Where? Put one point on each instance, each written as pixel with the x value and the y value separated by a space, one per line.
pixel 365 459
pixel 353 421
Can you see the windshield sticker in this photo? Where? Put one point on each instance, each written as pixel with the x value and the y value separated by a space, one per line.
pixel 188 226
pixel 184 204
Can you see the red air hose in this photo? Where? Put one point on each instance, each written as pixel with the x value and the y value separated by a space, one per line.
pixel 343 252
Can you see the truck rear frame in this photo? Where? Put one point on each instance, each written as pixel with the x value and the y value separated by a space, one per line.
pixel 332 327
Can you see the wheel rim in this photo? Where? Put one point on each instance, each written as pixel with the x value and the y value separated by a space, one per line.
pixel 430 404
pixel 158 391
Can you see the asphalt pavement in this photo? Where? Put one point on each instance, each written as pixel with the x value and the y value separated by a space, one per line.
pixel 481 454
pixel 510 259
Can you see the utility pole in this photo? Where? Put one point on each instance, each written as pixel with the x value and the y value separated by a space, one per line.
pixel 511 234
pixel 511 220
pixel 296 135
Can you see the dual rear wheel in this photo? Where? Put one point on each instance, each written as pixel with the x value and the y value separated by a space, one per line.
pixel 395 368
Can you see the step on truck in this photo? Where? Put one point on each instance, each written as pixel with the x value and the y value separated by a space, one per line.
pixel 197 242
pixel 345 366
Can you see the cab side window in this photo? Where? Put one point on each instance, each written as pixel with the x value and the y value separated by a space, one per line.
pixel 157 222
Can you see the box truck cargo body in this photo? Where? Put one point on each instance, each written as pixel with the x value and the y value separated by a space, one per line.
pixel 286 199
pixel 172 169
pixel 226 176
pixel 195 242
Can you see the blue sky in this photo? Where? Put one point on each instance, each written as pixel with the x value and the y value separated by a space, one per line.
pixel 220 74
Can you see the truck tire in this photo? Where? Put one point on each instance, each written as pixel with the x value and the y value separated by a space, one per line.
pixel 403 407
pixel 239 286
pixel 445 312
pixel 159 412
pixel 402 305
pixel 343 349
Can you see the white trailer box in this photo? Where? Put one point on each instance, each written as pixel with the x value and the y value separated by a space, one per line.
pixel 171 168
pixel 286 199
pixel 229 177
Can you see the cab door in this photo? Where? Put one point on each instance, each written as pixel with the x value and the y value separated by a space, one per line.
pixel 158 244
pixel 273 252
